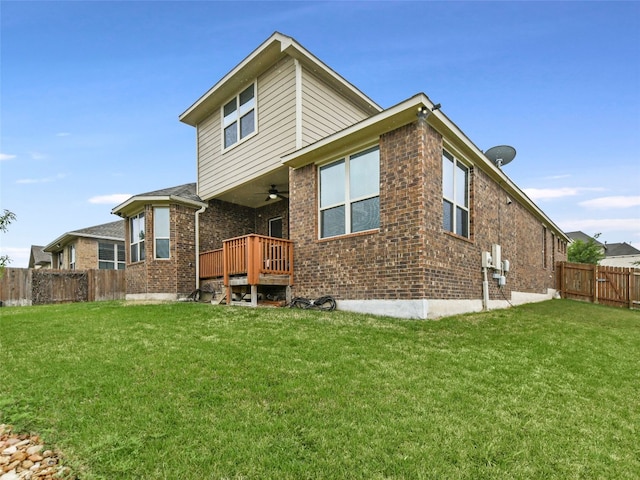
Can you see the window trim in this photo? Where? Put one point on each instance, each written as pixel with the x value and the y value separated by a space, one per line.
pixel 348 201
pixel 116 263
pixel 273 220
pixel 72 257
pixel 447 152
pixel 137 243
pixel 155 235
pixel 238 117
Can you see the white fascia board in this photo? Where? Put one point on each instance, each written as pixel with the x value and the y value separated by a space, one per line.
pixel 133 203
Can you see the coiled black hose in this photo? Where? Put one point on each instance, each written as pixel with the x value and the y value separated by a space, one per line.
pixel 326 303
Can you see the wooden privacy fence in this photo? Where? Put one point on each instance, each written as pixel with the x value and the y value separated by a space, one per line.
pixel 615 286
pixel 26 286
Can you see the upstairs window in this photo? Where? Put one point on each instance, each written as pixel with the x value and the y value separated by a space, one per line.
pixel 239 117
pixel 161 232
pixel 110 256
pixel 350 194
pixel 136 229
pixel 72 257
pixel 455 195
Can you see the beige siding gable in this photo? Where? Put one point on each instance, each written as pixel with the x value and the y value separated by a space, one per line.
pixel 324 111
pixel 218 171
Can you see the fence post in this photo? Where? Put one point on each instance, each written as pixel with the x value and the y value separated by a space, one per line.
pixel 630 286
pixel 595 283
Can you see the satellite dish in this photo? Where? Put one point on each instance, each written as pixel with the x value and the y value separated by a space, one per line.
pixel 501 155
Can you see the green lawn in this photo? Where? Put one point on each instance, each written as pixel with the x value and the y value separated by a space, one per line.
pixel 192 391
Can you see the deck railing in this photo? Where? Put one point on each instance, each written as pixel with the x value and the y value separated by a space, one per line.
pixel 250 255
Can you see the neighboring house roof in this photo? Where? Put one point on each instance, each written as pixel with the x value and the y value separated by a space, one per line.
pixel 620 249
pixel 39 257
pixel 583 237
pixel 370 129
pixel 181 194
pixel 113 231
pixel 270 51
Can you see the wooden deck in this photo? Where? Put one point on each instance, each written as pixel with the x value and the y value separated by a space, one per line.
pixel 250 260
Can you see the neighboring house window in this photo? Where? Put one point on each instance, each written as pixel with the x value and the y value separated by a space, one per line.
pixel 455 195
pixel 350 194
pixel 275 227
pixel 239 117
pixel 161 231
pixel 110 256
pixel 72 257
pixel 544 247
pixel 136 228
pixel 61 260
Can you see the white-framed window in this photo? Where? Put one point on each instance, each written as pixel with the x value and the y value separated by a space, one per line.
pixel 136 237
pixel 161 232
pixel 275 227
pixel 455 195
pixel 350 194
pixel 111 256
pixel 239 117
pixel 72 257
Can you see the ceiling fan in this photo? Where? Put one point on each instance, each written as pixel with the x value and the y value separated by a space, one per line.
pixel 274 194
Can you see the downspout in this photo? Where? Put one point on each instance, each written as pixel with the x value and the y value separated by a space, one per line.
pixel 198 212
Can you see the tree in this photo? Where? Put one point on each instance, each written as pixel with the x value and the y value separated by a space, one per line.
pixel 5 220
pixel 585 252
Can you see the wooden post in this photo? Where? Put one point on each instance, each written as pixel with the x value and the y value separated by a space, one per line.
pixel 630 287
pixel 595 284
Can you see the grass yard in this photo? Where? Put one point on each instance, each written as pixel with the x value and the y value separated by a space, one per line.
pixel 192 391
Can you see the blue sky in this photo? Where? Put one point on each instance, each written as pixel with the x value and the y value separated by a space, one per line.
pixel 91 93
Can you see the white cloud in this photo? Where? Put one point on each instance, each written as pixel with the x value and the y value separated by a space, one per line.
pixel 550 193
pixel 37 156
pixel 113 199
pixel 6 156
pixel 27 181
pixel 63 134
pixel 19 257
pixel 612 202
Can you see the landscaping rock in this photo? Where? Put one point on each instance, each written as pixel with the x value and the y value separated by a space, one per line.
pixel 20 458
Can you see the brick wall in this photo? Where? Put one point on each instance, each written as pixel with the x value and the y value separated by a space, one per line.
pixel 175 275
pixel 411 256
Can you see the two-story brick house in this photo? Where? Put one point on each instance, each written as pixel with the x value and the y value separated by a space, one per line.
pixel 392 211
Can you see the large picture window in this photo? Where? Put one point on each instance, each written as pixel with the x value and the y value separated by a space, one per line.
pixel 110 256
pixel 455 195
pixel 161 231
pixel 350 194
pixel 136 228
pixel 239 117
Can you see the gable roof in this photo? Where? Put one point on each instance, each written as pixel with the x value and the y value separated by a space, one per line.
pixel 181 194
pixel 583 237
pixel 620 249
pixel 268 53
pixel 113 231
pixel 38 256
pixel 369 130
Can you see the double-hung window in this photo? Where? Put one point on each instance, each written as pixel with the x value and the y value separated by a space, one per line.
pixel 110 256
pixel 455 195
pixel 239 117
pixel 72 257
pixel 136 229
pixel 350 194
pixel 161 232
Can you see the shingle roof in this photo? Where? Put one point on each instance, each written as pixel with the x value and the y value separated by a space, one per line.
pixel 106 230
pixel 188 191
pixel 583 237
pixel 38 256
pixel 619 249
